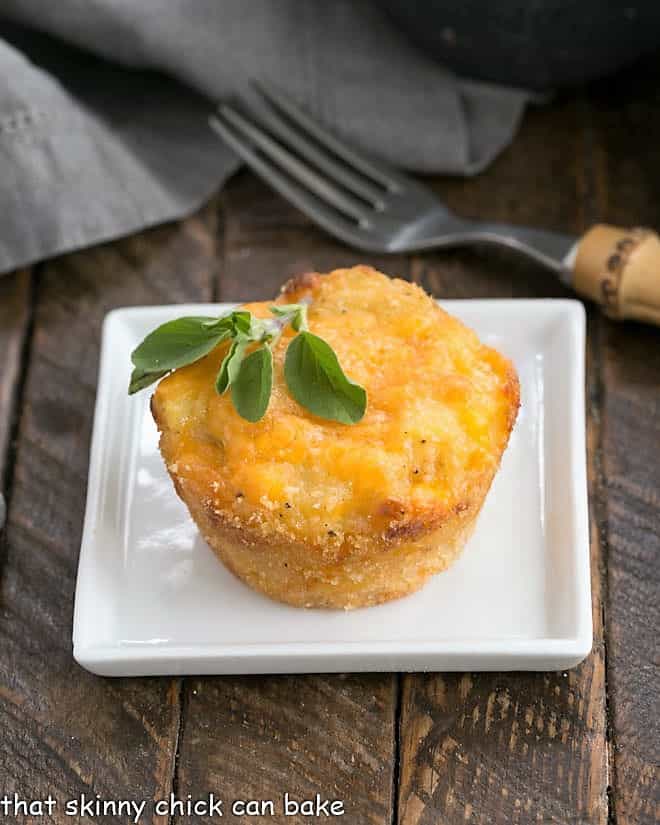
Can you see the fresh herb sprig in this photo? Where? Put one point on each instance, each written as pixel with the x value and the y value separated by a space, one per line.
pixel 312 370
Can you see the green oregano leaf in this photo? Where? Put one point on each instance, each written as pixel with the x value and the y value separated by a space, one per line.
pixel 311 369
pixel 251 389
pixel 318 383
pixel 172 345
pixel 140 380
pixel 224 322
pixel 230 365
pixel 242 321
pixel 295 314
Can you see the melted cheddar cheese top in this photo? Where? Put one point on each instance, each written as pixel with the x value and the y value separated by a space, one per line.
pixel 440 409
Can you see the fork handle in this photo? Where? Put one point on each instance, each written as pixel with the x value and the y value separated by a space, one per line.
pixel 620 269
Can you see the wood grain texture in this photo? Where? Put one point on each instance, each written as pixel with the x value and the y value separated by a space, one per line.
pixel 625 114
pixel 266 242
pixel 524 747
pixel 64 730
pixel 255 738
pixel 14 317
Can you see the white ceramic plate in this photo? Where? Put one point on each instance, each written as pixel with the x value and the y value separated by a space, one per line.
pixel 151 598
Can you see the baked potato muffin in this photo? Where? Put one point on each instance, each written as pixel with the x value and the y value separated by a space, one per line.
pixel 320 514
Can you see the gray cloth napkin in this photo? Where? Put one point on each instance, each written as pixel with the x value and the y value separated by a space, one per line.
pixel 104 105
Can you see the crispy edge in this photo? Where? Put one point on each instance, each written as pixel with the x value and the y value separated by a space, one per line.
pixel 301 284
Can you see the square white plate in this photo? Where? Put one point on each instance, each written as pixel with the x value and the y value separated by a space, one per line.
pixel 151 598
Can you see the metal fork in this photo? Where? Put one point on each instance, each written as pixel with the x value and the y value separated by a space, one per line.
pixel 376 208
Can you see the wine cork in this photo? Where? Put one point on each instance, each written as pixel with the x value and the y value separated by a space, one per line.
pixel 620 269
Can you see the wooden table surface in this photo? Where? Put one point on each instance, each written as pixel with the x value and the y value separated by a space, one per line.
pixel 412 749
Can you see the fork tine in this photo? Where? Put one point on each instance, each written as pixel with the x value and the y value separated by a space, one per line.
pixel 390 179
pixel 316 154
pixel 299 171
pixel 308 203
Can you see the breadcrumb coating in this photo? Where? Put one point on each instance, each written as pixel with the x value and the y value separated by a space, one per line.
pixel 318 513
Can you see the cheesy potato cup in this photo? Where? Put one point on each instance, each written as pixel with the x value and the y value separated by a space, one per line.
pixel 320 514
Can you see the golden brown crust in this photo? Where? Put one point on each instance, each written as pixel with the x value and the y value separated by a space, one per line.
pixel 299 285
pixel 282 569
pixel 316 513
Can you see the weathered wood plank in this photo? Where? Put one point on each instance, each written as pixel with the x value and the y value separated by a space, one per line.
pixel 65 731
pixel 14 315
pixel 524 747
pixel 256 738
pixel 625 124
pixel 266 241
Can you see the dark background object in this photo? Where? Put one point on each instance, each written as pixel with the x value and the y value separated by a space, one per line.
pixel 534 44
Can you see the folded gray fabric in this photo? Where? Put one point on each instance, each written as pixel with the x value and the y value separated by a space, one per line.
pixel 104 105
